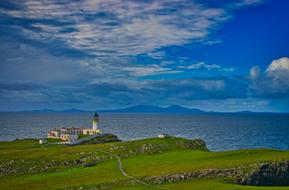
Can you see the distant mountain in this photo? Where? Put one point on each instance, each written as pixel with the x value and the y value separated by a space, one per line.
pixel 143 109
pixel 155 109
pixel 75 111
pixel 40 111
pixel 180 109
pixel 53 111
pixel 245 111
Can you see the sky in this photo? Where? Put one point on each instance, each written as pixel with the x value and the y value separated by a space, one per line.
pixel 227 55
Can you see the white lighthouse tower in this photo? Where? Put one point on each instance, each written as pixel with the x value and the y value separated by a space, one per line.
pixel 95 121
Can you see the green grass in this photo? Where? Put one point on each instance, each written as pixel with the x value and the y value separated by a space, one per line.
pixel 193 160
pixel 82 136
pixel 102 173
pixel 142 158
pixel 51 140
pixel 201 184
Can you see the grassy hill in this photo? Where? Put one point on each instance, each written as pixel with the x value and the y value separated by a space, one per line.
pixel 169 163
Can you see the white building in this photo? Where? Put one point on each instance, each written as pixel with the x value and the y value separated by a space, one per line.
pixel 163 135
pixel 71 134
pixel 42 141
pixel 54 134
pixel 69 137
pixel 73 130
pixel 90 131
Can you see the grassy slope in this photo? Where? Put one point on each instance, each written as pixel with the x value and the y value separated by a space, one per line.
pixel 192 160
pixel 148 157
pixel 204 184
pixel 102 173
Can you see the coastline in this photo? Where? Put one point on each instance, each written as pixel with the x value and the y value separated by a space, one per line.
pixel 160 162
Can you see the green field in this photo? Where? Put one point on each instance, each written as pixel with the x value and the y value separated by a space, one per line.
pixel 27 165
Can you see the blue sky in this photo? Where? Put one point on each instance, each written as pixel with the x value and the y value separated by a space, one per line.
pixel 103 54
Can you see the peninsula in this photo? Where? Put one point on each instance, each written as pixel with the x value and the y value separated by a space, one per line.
pixel 153 163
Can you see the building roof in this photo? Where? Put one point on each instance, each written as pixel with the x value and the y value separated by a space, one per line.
pixel 95 114
pixel 70 128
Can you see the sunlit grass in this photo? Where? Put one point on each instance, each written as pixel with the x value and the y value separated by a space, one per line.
pixel 166 156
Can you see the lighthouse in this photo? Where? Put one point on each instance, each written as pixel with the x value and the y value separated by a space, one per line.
pixel 72 134
pixel 95 121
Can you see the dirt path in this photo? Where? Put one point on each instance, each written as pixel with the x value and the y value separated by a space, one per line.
pixel 121 169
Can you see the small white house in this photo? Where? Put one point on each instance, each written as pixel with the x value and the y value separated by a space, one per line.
pixel 42 141
pixel 54 134
pixel 163 135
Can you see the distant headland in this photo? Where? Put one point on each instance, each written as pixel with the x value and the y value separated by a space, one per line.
pixel 145 109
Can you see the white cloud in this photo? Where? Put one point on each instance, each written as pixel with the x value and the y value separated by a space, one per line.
pixel 148 70
pixel 247 2
pixel 113 32
pixel 123 68
pixel 203 65
pixel 278 73
pixel 120 28
pixel 281 64
pixel 273 82
pixel 156 54
pixel 254 72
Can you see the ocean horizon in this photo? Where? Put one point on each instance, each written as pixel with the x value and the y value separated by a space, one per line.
pixel 222 131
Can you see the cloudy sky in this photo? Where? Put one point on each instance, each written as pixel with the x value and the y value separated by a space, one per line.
pixel 101 54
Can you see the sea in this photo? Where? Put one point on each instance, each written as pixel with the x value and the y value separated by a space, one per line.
pixel 219 131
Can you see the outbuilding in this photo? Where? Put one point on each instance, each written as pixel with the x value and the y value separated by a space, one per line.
pixel 42 141
pixel 163 135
